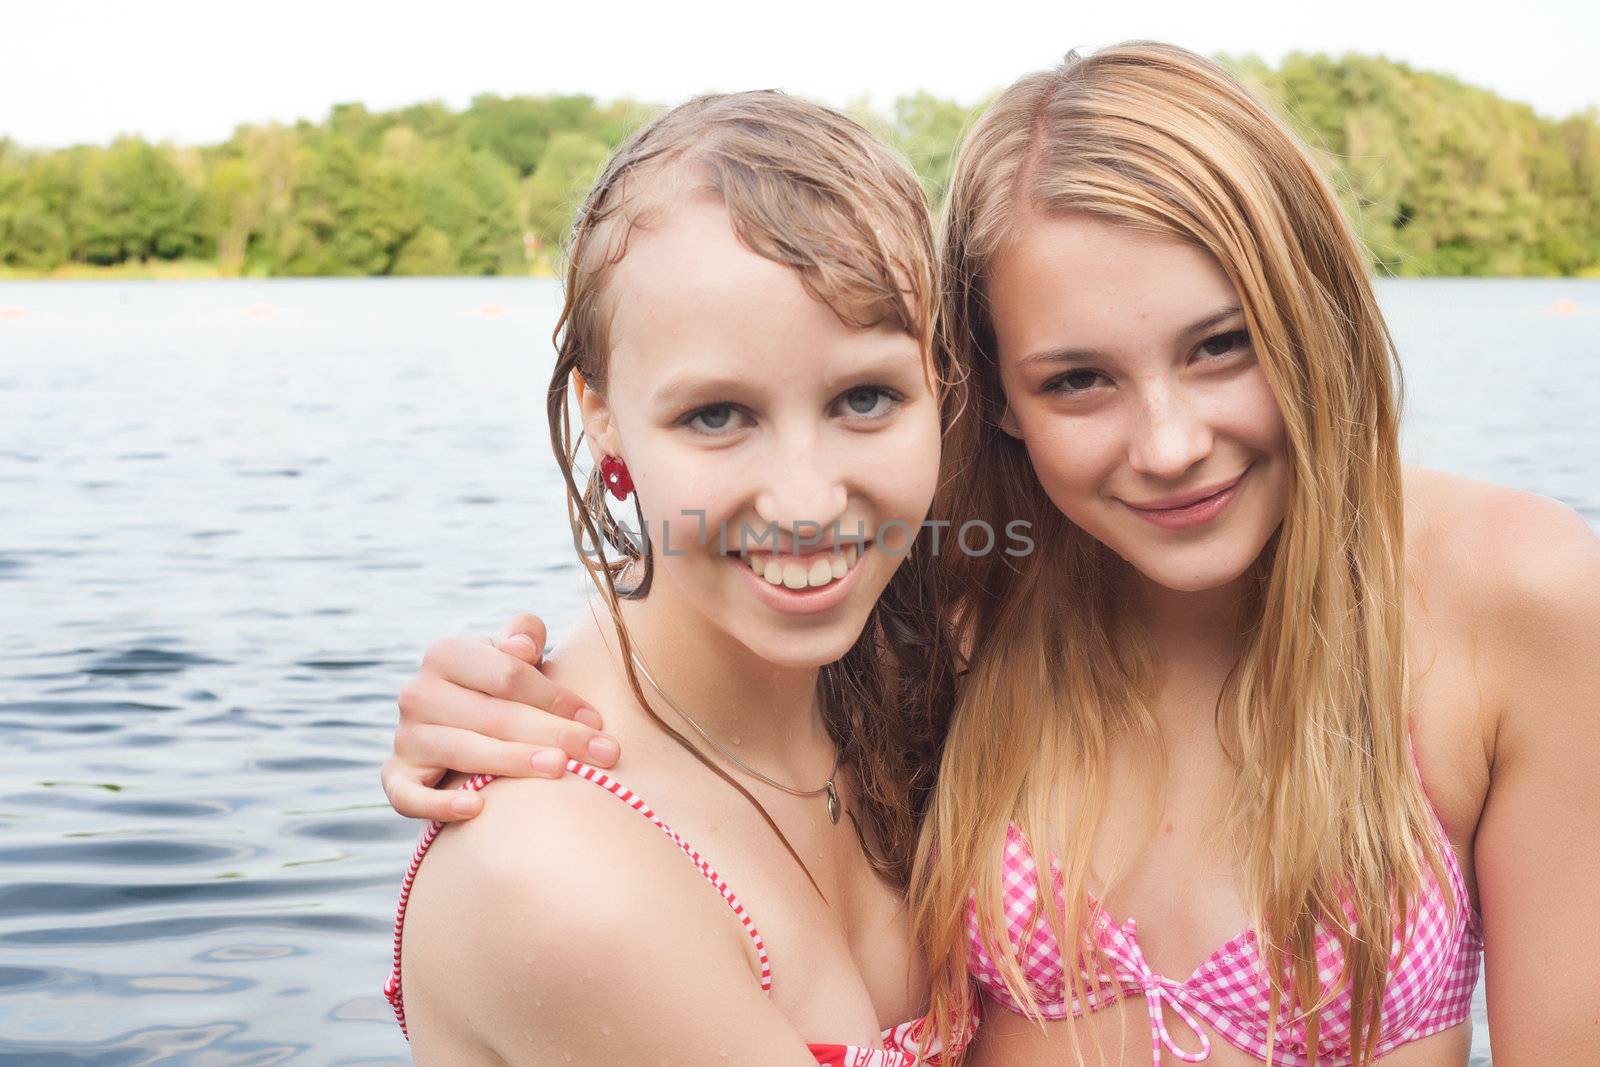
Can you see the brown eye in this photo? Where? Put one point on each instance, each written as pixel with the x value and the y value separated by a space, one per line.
pixel 1080 380
pixel 1224 343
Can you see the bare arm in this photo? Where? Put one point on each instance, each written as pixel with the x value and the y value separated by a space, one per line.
pixel 1537 849
pixel 483 707
pixel 561 928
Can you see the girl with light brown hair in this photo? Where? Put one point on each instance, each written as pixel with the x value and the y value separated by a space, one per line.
pixel 747 340
pixel 1296 732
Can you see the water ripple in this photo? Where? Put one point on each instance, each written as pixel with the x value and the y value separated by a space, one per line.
pixel 223 549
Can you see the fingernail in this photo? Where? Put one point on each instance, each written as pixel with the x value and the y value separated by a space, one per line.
pixel 604 749
pixel 464 805
pixel 520 639
pixel 589 717
pixel 548 761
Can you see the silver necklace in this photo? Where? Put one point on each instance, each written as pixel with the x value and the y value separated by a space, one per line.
pixel 826 789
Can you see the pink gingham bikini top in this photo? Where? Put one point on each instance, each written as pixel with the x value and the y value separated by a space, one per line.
pixel 907 1045
pixel 1431 976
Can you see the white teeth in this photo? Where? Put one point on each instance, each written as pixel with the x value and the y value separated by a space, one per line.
pixel 799 574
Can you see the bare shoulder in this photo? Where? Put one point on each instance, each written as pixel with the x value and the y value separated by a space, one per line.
pixel 1521 574
pixel 554 906
pixel 1500 554
pixel 573 859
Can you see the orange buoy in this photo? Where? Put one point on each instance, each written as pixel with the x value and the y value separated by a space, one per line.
pixel 13 312
pixel 261 311
pixel 491 311
pixel 1564 307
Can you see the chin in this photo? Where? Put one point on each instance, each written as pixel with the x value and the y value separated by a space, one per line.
pixel 1192 581
pixel 802 651
pixel 1200 573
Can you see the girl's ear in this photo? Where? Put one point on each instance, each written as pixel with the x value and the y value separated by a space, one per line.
pixel 599 429
pixel 1008 423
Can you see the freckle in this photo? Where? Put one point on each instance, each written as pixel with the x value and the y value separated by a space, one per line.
pixel 605 1031
pixel 587 975
pixel 1167 828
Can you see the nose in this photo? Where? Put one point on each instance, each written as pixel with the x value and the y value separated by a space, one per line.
pixel 804 496
pixel 1171 435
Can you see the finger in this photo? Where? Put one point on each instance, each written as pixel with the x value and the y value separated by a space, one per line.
pixel 474 665
pixel 412 792
pixel 463 750
pixel 428 701
pixel 417 801
pixel 530 626
pixel 522 647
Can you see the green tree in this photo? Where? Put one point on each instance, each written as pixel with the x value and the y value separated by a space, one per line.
pixel 556 189
pixel 138 206
pixel 927 129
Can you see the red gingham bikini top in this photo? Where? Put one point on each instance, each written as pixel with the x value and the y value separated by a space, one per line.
pixel 1430 986
pixel 905 1045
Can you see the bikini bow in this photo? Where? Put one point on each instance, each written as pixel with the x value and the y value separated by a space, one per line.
pixel 1158 991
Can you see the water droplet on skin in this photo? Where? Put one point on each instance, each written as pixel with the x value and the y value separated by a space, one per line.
pixel 738 740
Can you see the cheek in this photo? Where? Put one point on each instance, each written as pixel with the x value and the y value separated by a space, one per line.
pixel 683 507
pixel 1248 412
pixel 918 459
pixel 896 467
pixel 1072 457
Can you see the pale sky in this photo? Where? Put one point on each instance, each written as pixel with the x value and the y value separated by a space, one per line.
pixel 85 70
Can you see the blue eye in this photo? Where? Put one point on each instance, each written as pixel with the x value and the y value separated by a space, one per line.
pixel 867 402
pixel 712 419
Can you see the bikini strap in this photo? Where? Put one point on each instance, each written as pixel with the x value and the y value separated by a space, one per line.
pixel 392 990
pixel 632 799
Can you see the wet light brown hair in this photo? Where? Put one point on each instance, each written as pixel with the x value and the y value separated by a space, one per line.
pixel 1327 813
pixel 808 188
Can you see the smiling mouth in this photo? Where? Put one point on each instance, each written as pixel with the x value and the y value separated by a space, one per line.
pixel 1191 509
pixel 817 570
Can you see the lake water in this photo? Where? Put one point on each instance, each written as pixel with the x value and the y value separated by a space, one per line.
pixel 231 516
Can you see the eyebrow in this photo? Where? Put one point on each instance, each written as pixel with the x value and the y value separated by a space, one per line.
pixel 688 388
pixel 693 388
pixel 1092 355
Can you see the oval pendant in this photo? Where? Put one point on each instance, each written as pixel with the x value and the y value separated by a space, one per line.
pixel 833 803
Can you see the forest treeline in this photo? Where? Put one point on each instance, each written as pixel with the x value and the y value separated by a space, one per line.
pixel 1440 178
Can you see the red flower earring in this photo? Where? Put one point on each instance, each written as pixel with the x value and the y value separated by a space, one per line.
pixel 615 474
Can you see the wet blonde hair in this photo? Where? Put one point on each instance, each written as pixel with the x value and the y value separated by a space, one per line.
pixel 1331 820
pixel 806 187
